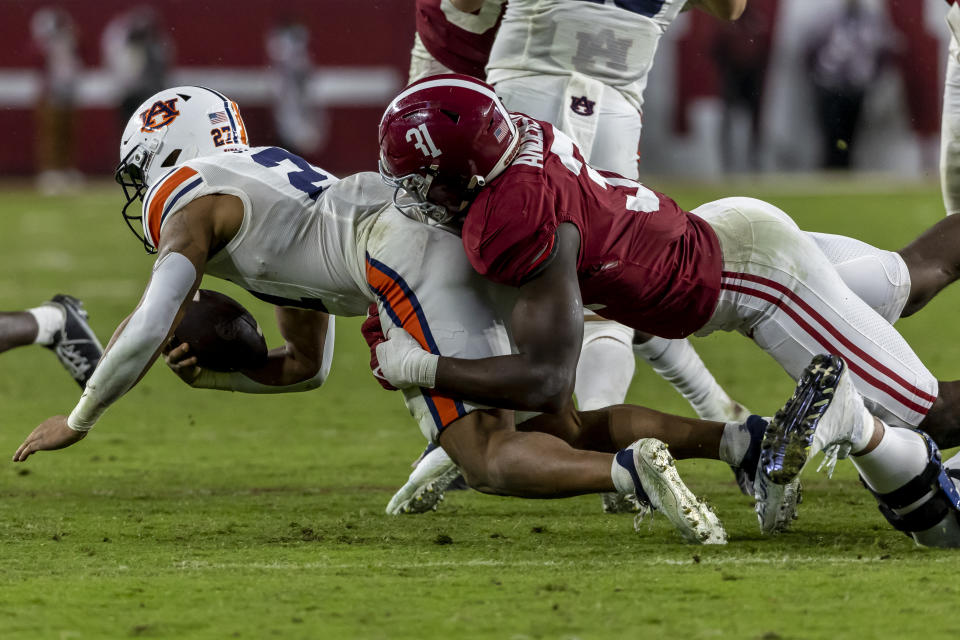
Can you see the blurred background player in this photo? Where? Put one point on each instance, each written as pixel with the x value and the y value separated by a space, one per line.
pixel 55 38
pixel 59 325
pixel 845 55
pixel 741 53
pixel 299 126
pixel 138 53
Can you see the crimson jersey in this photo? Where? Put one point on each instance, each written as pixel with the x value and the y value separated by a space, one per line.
pixel 644 261
pixel 459 41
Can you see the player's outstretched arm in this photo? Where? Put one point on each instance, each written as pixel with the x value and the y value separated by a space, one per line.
pixel 547 327
pixel 301 364
pixel 137 341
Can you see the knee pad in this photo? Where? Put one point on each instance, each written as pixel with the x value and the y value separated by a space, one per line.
pixel 878 277
pixel 936 522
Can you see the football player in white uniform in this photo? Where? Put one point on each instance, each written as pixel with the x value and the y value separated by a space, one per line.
pixel 61 325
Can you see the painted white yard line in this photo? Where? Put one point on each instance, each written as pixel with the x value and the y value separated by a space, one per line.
pixel 649 561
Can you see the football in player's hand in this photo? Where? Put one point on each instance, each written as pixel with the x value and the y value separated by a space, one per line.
pixel 221 333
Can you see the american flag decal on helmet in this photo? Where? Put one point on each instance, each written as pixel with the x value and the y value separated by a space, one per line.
pixel 217 117
pixel 500 132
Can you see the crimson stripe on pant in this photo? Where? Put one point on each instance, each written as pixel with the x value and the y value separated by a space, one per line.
pixel 856 367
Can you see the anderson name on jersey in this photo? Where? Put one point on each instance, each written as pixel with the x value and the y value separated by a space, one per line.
pixel 303 234
pixel 644 261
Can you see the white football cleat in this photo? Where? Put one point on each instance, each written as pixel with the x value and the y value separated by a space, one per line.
pixel 651 469
pixel 426 485
pixel 824 414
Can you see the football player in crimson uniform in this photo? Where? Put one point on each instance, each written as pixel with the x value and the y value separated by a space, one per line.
pixel 59 325
pixel 534 215
pixel 582 67
pixel 292 234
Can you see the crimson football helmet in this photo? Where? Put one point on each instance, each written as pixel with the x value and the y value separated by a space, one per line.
pixel 441 140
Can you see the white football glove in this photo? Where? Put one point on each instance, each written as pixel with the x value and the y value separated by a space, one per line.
pixel 404 363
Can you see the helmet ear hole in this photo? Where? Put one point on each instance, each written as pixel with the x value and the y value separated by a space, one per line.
pixel 171 158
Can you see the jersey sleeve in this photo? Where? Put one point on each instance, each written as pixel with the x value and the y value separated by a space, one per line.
pixel 171 193
pixel 513 236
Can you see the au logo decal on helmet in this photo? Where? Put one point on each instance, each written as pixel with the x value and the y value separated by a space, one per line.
pixel 164 110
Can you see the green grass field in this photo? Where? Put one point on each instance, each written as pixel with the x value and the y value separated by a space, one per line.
pixel 202 514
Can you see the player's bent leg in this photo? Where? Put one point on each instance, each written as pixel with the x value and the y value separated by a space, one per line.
pixel 918 495
pixel 497 459
pixel 779 289
pixel 736 443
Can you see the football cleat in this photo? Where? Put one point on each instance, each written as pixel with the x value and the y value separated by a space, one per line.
pixel 821 416
pixel 653 472
pixel 746 474
pixel 425 488
pixel 75 344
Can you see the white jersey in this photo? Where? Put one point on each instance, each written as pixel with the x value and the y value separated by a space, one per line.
pixel 613 41
pixel 309 240
pixel 303 237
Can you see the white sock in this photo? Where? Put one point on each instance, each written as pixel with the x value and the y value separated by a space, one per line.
pixel 900 457
pixel 734 443
pixel 604 373
pixel 622 479
pixel 677 363
pixel 868 426
pixel 50 319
